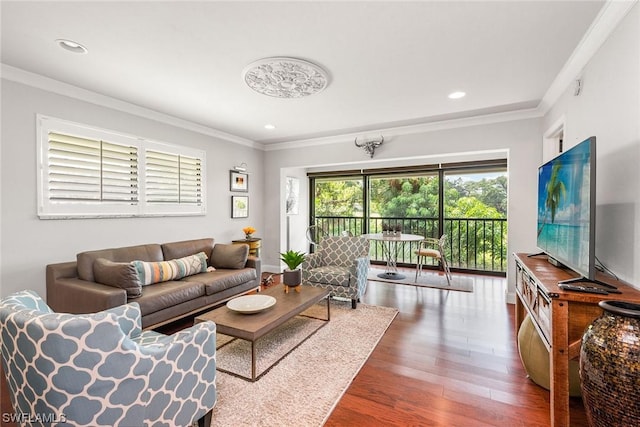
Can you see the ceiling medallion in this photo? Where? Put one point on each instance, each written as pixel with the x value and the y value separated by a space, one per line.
pixel 285 77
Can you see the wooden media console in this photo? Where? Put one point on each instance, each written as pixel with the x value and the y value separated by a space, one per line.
pixel 560 317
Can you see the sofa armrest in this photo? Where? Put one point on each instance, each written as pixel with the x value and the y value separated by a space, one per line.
pixel 255 262
pixel 312 261
pixel 361 273
pixel 68 294
pixel 190 357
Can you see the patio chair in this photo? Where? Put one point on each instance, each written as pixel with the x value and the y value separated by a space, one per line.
pixel 102 369
pixel 341 265
pixel 433 248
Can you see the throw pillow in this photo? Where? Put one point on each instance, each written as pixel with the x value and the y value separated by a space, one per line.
pixel 192 264
pixel 229 256
pixel 163 271
pixel 118 274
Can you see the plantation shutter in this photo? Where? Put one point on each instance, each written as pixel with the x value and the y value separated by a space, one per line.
pixel 162 177
pixel 119 173
pixel 173 178
pixel 190 180
pixel 89 170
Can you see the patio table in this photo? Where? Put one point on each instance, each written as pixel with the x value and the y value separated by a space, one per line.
pixel 390 250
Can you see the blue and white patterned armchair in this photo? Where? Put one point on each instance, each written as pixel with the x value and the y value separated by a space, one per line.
pixel 101 369
pixel 341 265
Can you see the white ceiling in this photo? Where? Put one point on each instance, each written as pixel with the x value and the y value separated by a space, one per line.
pixel 390 63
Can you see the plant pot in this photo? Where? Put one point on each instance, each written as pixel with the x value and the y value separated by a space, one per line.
pixel 610 366
pixel 292 278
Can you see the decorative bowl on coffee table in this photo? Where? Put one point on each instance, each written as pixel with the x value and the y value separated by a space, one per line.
pixel 249 304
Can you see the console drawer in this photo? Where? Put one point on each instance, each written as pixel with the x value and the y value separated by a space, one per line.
pixel 531 292
pixel 544 315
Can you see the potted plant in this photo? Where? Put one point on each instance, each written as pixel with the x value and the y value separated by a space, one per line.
pixel 292 275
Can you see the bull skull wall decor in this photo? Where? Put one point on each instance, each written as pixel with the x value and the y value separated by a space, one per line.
pixel 370 145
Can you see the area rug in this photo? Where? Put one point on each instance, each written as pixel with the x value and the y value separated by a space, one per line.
pixel 304 387
pixel 427 279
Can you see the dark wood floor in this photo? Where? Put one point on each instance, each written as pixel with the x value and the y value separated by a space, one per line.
pixel 448 359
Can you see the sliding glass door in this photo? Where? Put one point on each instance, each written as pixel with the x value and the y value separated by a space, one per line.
pixel 467 202
pixel 337 205
pixel 475 218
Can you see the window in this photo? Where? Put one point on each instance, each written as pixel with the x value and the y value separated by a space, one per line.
pixel 82 169
pixel 467 201
pixel 89 172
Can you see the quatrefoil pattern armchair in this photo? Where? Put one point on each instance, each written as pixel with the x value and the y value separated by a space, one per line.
pixel 341 265
pixel 101 369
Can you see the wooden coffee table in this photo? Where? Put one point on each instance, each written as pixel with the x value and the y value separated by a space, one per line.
pixel 252 327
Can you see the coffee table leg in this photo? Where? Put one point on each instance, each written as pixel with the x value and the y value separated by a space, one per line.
pixel 328 308
pixel 253 361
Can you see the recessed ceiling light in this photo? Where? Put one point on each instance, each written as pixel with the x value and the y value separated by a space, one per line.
pixel 71 46
pixel 269 126
pixel 457 95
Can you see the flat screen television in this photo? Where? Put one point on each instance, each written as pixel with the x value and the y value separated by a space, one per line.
pixel 567 208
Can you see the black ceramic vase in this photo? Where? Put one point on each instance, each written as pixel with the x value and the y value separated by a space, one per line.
pixel 610 366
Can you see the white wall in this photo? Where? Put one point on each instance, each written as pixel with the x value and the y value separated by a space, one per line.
pixel 519 140
pixel 29 244
pixel 609 108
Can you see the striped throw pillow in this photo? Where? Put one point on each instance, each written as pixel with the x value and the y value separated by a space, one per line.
pixel 163 271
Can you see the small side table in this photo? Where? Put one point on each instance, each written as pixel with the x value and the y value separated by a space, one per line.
pixel 254 245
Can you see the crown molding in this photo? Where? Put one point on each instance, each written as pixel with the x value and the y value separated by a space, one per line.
pixel 612 12
pixel 413 129
pixel 19 75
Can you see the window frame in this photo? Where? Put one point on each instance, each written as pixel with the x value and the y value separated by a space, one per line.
pixel 49 209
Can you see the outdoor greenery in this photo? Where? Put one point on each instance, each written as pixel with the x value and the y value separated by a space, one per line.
pixel 341 197
pixel 413 197
pixel 475 208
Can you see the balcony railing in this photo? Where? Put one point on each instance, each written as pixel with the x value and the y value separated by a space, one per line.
pixel 476 244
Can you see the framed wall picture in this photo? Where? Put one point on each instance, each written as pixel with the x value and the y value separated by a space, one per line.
pixel 238 181
pixel 239 206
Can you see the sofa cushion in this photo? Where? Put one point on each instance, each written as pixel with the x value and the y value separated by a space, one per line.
pixel 118 274
pixel 220 280
pixel 168 294
pixel 229 256
pixel 187 247
pixel 151 252
pixel 163 271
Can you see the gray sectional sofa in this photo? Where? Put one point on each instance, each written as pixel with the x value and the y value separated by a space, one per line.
pixel 169 281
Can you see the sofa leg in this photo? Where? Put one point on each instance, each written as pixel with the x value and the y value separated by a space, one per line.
pixel 354 303
pixel 205 420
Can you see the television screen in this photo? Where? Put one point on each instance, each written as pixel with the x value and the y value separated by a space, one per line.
pixel 566 208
